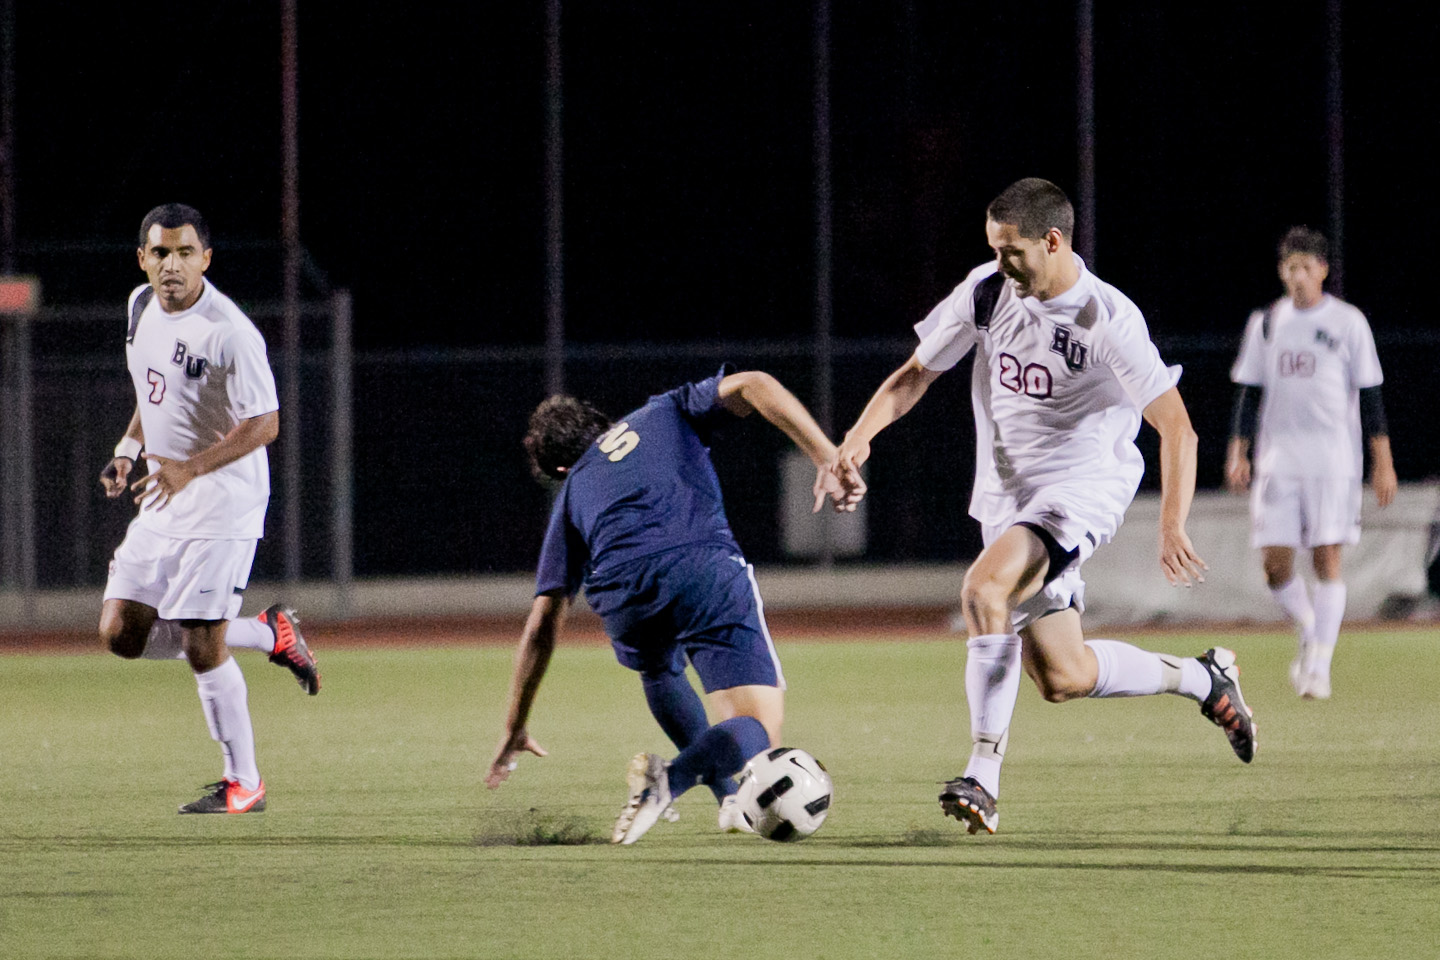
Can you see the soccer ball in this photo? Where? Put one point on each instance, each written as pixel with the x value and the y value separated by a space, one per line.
pixel 784 794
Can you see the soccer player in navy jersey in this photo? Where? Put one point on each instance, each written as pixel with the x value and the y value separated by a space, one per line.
pixel 640 522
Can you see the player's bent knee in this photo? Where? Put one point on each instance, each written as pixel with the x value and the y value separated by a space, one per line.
pixel 1058 686
pixel 985 600
pixel 122 642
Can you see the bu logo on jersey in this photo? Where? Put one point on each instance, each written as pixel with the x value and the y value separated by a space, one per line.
pixel 194 366
pixel 1073 351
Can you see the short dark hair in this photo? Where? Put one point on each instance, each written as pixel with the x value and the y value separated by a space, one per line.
pixel 1035 207
pixel 561 430
pixel 1304 240
pixel 172 215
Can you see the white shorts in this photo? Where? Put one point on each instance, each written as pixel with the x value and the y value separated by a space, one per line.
pixel 1079 521
pixel 181 579
pixel 1304 512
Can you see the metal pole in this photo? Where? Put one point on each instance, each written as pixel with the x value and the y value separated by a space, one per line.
pixel 342 466
pixel 1335 138
pixel 1085 133
pixel 10 507
pixel 554 204
pixel 24 478
pixel 824 250
pixel 7 136
pixel 290 227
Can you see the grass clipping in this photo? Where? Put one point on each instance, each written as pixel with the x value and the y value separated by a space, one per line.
pixel 536 829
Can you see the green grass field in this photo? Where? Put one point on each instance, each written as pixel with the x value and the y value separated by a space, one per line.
pixel 1128 828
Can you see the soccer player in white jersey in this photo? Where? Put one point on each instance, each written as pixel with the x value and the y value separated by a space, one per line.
pixel 205 410
pixel 1309 376
pixel 1063 374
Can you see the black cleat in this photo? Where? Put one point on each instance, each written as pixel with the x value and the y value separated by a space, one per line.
pixel 1225 707
pixel 964 799
pixel 291 651
pixel 227 796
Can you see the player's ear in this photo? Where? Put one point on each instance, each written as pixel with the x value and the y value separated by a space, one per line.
pixel 205 260
pixel 140 256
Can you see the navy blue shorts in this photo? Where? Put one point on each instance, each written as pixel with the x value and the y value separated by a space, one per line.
pixel 701 604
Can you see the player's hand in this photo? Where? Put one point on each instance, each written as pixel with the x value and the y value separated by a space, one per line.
pixel 116 476
pixel 510 746
pixel 166 478
pixel 843 498
pixel 1383 479
pixel 1237 474
pixel 850 456
pixel 1178 559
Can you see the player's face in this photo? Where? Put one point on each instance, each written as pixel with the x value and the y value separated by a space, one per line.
pixel 175 263
pixel 1304 277
pixel 1030 263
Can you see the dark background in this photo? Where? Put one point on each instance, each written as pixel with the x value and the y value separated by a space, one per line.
pixel 689 206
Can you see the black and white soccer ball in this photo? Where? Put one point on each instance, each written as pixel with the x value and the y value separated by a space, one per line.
pixel 784 794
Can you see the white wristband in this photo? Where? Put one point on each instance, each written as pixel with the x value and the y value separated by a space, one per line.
pixel 128 447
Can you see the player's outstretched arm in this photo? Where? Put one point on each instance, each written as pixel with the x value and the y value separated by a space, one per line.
pixel 1178 454
pixel 168 477
pixel 740 393
pixel 532 657
pixel 116 475
pixel 892 400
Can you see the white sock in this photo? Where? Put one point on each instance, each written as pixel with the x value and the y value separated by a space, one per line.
pixel 164 642
pixel 1195 681
pixel 1329 613
pixel 223 697
pixel 1128 671
pixel 1294 599
pixel 251 634
pixel 992 682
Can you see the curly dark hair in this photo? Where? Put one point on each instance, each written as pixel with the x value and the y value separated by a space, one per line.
pixel 561 429
pixel 1304 240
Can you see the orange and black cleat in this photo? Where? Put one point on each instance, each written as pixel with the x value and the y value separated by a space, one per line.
pixel 967 801
pixel 227 796
pixel 1225 707
pixel 291 651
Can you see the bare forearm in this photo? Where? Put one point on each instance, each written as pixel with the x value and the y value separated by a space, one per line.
pixel 780 407
pixel 892 400
pixel 1380 457
pixel 532 657
pixel 135 430
pixel 247 437
pixel 1178 456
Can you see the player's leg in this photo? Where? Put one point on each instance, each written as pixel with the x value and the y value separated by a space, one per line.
pixel 125 627
pixel 1011 569
pixel 224 699
pixel 1329 614
pixel 130 626
pixel 678 709
pixel 203 595
pixel 741 674
pixel 1278 522
pixel 1333 509
pixel 1065 666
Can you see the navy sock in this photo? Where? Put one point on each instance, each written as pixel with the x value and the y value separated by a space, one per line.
pixel 718 753
pixel 677 708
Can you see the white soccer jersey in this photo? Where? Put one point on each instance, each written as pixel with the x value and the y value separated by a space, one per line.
pixel 1058 389
pixel 197 374
pixel 1311 364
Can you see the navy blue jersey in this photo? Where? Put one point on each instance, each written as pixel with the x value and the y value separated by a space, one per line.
pixel 644 487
